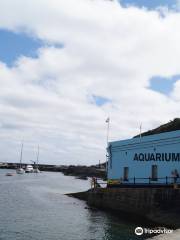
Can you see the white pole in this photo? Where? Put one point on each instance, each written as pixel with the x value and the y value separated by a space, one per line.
pixel 140 129
pixel 21 154
pixel 108 120
pixel 37 160
pixel 107 140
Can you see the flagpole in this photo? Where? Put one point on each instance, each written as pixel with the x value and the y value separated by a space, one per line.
pixel 22 145
pixel 107 140
pixel 107 131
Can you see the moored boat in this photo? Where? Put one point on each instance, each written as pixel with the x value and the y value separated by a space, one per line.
pixel 29 169
pixel 36 169
pixel 9 174
pixel 20 170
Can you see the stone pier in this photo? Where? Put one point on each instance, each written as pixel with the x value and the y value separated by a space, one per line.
pixel 159 205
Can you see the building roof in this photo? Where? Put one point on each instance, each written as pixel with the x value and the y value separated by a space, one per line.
pixel 155 138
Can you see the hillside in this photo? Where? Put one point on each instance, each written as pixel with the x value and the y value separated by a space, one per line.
pixel 168 127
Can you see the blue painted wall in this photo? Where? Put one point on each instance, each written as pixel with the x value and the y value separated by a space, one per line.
pixel 122 153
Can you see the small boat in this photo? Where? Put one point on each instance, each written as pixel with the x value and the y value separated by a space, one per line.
pixel 36 169
pixel 29 169
pixel 9 174
pixel 20 170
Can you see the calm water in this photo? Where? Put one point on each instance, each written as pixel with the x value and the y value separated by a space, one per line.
pixel 33 206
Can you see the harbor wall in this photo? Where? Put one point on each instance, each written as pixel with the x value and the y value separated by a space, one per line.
pixel 159 205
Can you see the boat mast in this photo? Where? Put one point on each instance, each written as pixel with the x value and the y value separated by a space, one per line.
pixel 21 155
pixel 37 160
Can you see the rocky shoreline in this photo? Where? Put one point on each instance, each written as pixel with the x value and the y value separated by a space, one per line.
pixel 79 171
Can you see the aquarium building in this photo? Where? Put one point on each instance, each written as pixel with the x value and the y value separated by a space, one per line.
pixel 149 159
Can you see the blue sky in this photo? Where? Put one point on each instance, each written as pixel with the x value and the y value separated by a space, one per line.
pixel 150 4
pixel 163 84
pixel 100 101
pixel 14 45
pixel 60 98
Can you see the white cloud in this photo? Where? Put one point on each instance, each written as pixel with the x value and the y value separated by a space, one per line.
pixel 108 51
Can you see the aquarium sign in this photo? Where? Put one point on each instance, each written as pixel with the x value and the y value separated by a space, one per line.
pixel 166 157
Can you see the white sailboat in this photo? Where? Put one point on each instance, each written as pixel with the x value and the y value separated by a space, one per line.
pixel 20 170
pixel 36 170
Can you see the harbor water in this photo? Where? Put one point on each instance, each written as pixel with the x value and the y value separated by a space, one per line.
pixel 33 206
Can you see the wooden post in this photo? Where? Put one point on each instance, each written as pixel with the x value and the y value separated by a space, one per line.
pixel 166 180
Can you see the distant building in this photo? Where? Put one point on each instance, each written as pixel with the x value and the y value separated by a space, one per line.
pixel 149 159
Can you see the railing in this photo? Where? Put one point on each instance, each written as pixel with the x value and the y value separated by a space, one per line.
pixel 98 182
pixel 135 181
pixel 164 180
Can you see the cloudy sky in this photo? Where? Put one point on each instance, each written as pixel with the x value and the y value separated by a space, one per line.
pixel 66 65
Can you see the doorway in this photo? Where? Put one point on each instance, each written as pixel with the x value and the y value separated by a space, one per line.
pixel 154 173
pixel 126 173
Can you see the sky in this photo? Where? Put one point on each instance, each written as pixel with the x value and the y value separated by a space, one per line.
pixel 66 66
pixel 151 4
pixel 13 45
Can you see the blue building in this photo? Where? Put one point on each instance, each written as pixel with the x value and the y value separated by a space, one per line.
pixel 149 159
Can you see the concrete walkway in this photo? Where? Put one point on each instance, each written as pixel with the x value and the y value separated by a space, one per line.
pixel 174 236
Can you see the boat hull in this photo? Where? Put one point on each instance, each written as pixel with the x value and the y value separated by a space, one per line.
pixel 20 171
pixel 29 169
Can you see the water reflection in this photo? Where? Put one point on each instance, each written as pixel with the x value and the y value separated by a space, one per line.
pixel 107 226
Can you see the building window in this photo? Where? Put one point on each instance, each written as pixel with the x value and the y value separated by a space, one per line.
pixel 126 173
pixel 154 172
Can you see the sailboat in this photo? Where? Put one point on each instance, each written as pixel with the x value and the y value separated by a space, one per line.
pixel 36 170
pixel 20 170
